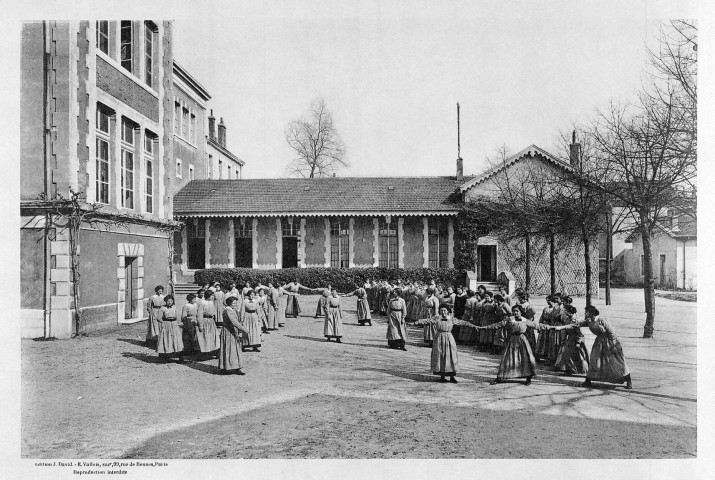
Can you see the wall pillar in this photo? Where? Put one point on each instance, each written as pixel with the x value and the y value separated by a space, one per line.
pixel 301 244
pixel 279 243
pixel 376 242
pixel 425 242
pixel 254 242
pixel 400 242
pixel 207 244
pixel 231 243
pixel 327 243
pixel 450 243
pixel 61 324
pixel 351 242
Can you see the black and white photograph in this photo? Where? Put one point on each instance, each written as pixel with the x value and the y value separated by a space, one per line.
pixel 367 239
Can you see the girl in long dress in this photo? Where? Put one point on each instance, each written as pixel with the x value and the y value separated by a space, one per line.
pixel 169 340
pixel 207 336
pixel 262 300
pixel 248 315
pixel 529 314
pixel 460 303
pixel 489 316
pixel 322 300
pixel 363 307
pixel 229 357
pixel 271 304
pixel 333 318
pixel 556 337
pixel 546 319
pixel 444 360
pixel 431 310
pixel 274 301
pixel 607 363
pixel 396 327
pixel 153 306
pixel 292 304
pixel 188 320
pixel 518 359
pixel 469 335
pixel 573 356
pixel 502 311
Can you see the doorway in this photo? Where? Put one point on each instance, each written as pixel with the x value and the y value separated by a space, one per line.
pixel 131 274
pixel 244 252
pixel 487 263
pixel 290 252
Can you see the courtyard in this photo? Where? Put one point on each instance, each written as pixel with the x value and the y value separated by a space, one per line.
pixel 108 396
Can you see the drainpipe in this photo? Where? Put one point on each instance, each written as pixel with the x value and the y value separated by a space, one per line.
pixel 684 264
pixel 47 143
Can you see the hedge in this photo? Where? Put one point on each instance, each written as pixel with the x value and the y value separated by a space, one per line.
pixel 343 279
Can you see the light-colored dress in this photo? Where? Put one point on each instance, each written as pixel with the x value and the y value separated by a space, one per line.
pixel 207 333
pixel 396 328
pixel 363 308
pixel 489 316
pixel 169 339
pixel 263 310
pixel 229 357
pixel 248 316
pixel 271 305
pixel 518 359
pixel 333 318
pixel 219 300
pixel 153 306
pixel 444 349
pixel 607 363
pixel 542 344
pixel 320 308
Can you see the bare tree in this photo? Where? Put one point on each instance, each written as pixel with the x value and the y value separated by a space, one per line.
pixel 315 140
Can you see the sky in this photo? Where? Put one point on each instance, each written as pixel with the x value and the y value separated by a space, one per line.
pixel 391 74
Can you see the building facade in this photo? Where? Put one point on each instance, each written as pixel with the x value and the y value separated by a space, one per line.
pixel 397 222
pixel 221 163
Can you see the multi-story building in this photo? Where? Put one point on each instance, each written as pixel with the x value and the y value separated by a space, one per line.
pixel 222 164
pixel 96 120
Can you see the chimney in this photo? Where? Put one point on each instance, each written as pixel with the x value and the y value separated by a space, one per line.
pixel 212 126
pixel 460 169
pixel 575 151
pixel 222 133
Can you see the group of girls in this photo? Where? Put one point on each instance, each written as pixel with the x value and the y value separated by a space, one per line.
pixel 217 322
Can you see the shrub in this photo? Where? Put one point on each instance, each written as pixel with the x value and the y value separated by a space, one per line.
pixel 343 279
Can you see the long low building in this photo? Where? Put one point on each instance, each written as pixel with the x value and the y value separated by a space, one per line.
pixel 344 222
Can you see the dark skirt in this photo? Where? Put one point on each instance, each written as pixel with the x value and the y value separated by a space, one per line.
pixel 573 356
pixel 292 307
pixel 607 361
pixel 518 359
pixel 363 311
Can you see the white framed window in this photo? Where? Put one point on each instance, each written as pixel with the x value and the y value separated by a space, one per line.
pixel 229 172
pixel 149 151
pixel 220 168
pixel 179 173
pixel 126 38
pixel 103 36
pixel 128 135
pixel 191 172
pixel 210 167
pixel 238 173
pixel 102 155
pixel 149 41
pixel 185 123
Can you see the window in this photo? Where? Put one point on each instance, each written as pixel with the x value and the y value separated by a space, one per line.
pixel 238 173
pixel 179 173
pixel 192 129
pixel 149 34
pixel 438 240
pixel 243 242
pixel 185 123
pixel 339 243
pixel 387 243
pixel 291 227
pixel 191 172
pixel 220 168
pixel 210 167
pixel 149 142
pixel 126 33
pixel 102 156
pixel 127 164
pixel 196 243
pixel 103 36
pixel 177 119
pixel 229 172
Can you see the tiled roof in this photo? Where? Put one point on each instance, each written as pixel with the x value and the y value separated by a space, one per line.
pixel 318 196
pixel 530 151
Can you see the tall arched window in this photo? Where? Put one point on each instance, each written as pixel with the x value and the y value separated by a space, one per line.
pixel 339 243
pixel 388 243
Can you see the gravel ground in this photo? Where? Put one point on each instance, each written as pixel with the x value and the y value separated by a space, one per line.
pixel 107 396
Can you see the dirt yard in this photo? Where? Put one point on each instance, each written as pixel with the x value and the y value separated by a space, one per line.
pixel 107 396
